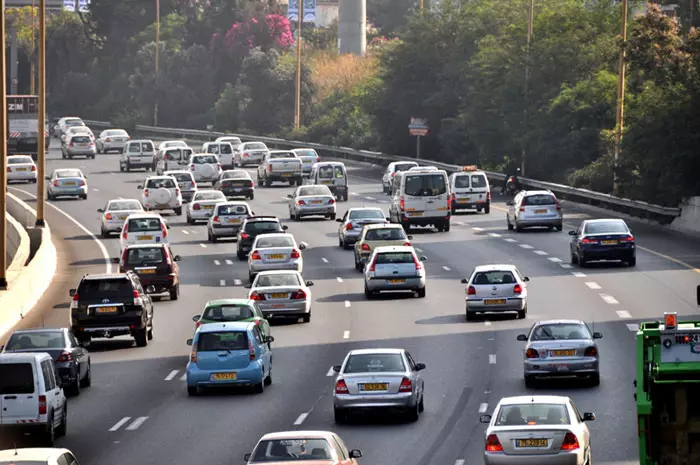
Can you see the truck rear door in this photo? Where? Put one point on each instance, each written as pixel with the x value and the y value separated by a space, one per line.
pixel 19 399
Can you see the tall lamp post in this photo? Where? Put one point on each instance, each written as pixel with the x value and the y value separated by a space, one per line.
pixel 620 120
pixel 530 29
pixel 41 144
pixel 155 107
pixel 297 109
pixel 32 64
pixel 3 156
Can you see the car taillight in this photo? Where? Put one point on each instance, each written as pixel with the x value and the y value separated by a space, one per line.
pixel 82 182
pixel 193 356
pixel 55 183
pixel 245 236
pixel 250 184
pixel 91 144
pixel 255 255
pixel 245 154
pixel 295 254
pixel 570 442
pixel 300 294
pixel 471 290
pixel 558 205
pixel 215 219
pixel 629 238
pixel 125 232
pixel 108 216
pixel 269 168
pixel 164 229
pixel 522 209
pixel 318 158
pixel 419 265
pixel 65 357
pixel 348 226
pixel 365 247
pixel 493 444
pixel 255 296
pixel 251 350
pixel 393 174
pixel 331 201
pixel 341 387
pixel 145 192
pixel 108 140
pixel 373 265
pixel 42 405
pixel 219 165
pixel 137 296
pixel 517 289
pixel 70 144
pixel 191 167
pixel 402 204
pixel 123 260
pixel 591 351
pixel 301 202
pixel 407 244
pixel 406 385
pixel 449 203
pixel 586 240
pixel 196 207
pixel 33 167
pixel 488 196
pixel 532 353
pixel 9 170
pixel 177 191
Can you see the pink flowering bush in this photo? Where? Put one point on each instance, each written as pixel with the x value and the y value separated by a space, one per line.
pixel 270 32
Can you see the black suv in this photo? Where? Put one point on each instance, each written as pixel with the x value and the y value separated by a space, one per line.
pixel 108 305
pixel 252 228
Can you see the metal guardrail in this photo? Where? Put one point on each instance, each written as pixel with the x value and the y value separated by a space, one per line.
pixel 664 215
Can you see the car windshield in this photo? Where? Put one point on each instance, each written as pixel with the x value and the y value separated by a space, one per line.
pixel 165 183
pixel 363 363
pixel 271 242
pixel 18 160
pixel 211 195
pixel 145 256
pixel 532 414
pixel 385 258
pixel 539 199
pixel 204 160
pixel 231 140
pixel 16 378
pixel 425 185
pixel 262 226
pixel 69 174
pixel 606 227
pixel 228 312
pixel 314 190
pixel 276 155
pixel 225 210
pixel 122 205
pixel 144 224
pixel 493 277
pixel 288 279
pixel 222 341
pixel 462 181
pixel 36 340
pixel 560 331
pixel 237 174
pixel 385 234
pixel 404 166
pixel 366 214
pixel 181 177
pixel 212 148
pixel 306 153
pixel 292 450
pixel 255 146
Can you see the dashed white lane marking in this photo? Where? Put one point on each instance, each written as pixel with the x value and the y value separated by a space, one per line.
pixel 331 372
pixel 229 262
pixel 510 239
pixel 541 252
pixel 354 193
pixel 446 268
pixel 554 259
pixel 487 323
pixel 623 314
pixel 136 424
pixel 237 282
pixel 593 285
pixel 183 377
pixel 217 263
pixel 324 259
pixel 460 223
pixel 204 246
pixel 526 246
pixel 347 304
pixel 346 335
pixel 566 266
pixel 608 299
pixel 301 419
pixel 284 198
pixel 370 198
pixel 476 228
pixel 184 231
pixel 339 279
pixel 483 407
pixel 418 250
pixel 578 274
pixel 172 375
pixel 120 423
pixel 492 359
pixel 459 462
pixel 222 283
pixel 96 190
pixel 494 235
pixel 632 327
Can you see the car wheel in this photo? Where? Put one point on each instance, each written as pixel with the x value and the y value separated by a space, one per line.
pixel 340 242
pixel 178 211
pixel 268 378
pixel 487 209
pixel 192 390
pixel 50 433
pixel 63 427
pixel 582 261
pixel 558 227
pixel 522 313
pixel 510 225
pixel 104 234
pixel 175 292
pixel 421 292
pixel 530 381
pixel 470 315
pixel 632 261
pixel 149 333
pixel 421 404
pixel 251 277
pixel 87 380
pixel 595 379
pixel 260 387
pixel 128 167
pixel 332 217
pixel 74 389
pixel 141 337
pixel 240 255
pixel 518 228
pixel 340 416
pixel 306 318
pixel 573 259
pixel 252 197
pixel 84 196
pixel 369 294
pixel 121 168
pixel 189 220
pixel 413 413
pixel 446 226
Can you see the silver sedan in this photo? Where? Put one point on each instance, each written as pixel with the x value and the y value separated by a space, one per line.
pixel 372 379
pixel 282 293
pixel 278 251
pixel 112 139
pixel 227 219
pixel 537 430
pixel 115 213
pixel 311 201
pixel 202 206
pixel 395 268
pixel 354 220
pixel 560 349
pixel 496 288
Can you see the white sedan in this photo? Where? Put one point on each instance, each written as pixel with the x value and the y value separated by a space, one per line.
pixel 115 213
pixel 282 293
pixel 202 205
pixel 21 168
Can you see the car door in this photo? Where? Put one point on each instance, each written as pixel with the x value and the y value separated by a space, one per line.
pixel 417 375
pixel 343 451
pixel 264 349
pixel 576 238
pixel 513 206
pixel 54 391
pixel 81 353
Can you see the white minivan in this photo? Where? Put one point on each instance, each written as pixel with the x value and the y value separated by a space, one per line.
pixel 32 398
pixel 224 150
pixel 470 190
pixel 421 198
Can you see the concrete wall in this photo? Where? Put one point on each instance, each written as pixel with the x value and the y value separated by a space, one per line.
pixel 17 245
pixel 352 27
pixel 689 221
pixel 326 13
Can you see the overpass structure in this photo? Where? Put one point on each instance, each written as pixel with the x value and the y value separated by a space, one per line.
pixel 50 4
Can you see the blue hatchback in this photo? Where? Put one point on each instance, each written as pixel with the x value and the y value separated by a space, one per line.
pixel 229 354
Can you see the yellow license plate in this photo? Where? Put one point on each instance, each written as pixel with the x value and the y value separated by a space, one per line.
pixel 540 211
pixel 416 213
pixel 233 221
pixel 123 218
pixel 146 238
pixel 316 201
pixel 276 256
pixel 146 271
pixel 286 174
pixel 374 387
pixel 279 295
pixel 466 199
pixel 21 169
pixel 494 301
pixel 224 376
pixel 208 207
pixel 609 242
pixel 326 182
pixel 69 184
pixel 563 353
pixel 396 281
pixel 106 310
pixel 531 443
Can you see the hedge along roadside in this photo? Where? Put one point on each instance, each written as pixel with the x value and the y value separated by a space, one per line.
pixel 658 213
pixel 28 285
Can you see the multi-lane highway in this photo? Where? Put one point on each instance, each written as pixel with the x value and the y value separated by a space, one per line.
pixel 138 411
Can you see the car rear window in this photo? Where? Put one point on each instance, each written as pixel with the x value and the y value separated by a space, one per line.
pixel 224 210
pixel 81 139
pixel 462 182
pixel 292 450
pixel 404 166
pixel 366 214
pixel 494 277
pixel 385 234
pixel 606 227
pixel 181 177
pixel 479 180
pixel 262 226
pixel 394 257
pixel 228 312
pixel 18 160
pixel 177 154
pixel 282 155
pixel 121 206
pixel 147 147
pixel 237 174
pixel 270 242
pixel 231 140
pixel 117 133
pixel 144 224
pixel 532 414
pixel 539 199
pixel 145 256
pixel 306 153
pixel 212 148
pixel 314 190
pixel 425 185
pixel 36 340
pixel 16 378
pixel 105 288
pixel 214 195
pixel 161 184
pixel 222 340
pixel 69 174
pixel 203 160
pixel 329 172
pixel 561 331
pixel 74 122
pixel 287 279
pixel 255 146
pixel 225 149
pixel 363 363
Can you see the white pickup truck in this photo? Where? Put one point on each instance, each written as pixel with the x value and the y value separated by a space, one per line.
pixel 282 166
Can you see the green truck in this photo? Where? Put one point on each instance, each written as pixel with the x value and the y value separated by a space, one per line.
pixel 668 391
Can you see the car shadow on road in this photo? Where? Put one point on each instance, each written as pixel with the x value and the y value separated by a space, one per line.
pixel 83 237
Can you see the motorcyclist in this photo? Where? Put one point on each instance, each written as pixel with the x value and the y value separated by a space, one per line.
pixel 512 184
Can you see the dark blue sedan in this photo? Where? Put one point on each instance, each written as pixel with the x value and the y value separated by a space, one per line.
pixel 602 239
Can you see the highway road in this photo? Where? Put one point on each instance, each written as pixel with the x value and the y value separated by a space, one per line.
pixel 137 410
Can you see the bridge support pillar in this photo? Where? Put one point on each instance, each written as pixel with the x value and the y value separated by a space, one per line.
pixel 352 27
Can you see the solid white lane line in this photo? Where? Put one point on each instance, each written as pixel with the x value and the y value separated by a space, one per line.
pixel 446 268
pixel 184 231
pixel 566 266
pixel 492 359
pixel 610 300
pixel 418 250
pixel 204 246
pixel 339 279
pixel 483 407
pixel 633 327
pixel 237 282
pixel 487 323
pixel 120 423
pixel 494 235
pixel 370 198
pixel 554 259
pixel 229 262
pixel 623 314
pixel 324 259
pixel 172 375
pixel 217 263
pixel 526 246
pixel 346 335
pixel 578 274
pixel 510 239
pixel 541 252
pixel 136 424
pixel 593 285
pixel 331 372
pixel 347 304
pixel 477 228
pixel 222 283
pixel 301 419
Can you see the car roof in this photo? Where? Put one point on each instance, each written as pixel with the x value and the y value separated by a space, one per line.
pixel 234 202
pixel 559 322
pixel 503 267
pixel 394 163
pixel 383 225
pixel 297 434
pixel 160 245
pixel 227 326
pixel 376 351
pixel 20 156
pixel 284 234
pixel 303 148
pixel 171 172
pixel 17 357
pixel 138 216
pixel 393 248
pixel 114 129
pixel 163 176
pixel 39 330
pixel 123 200
pixel 226 301
pixel 97 276
pixel 141 140
pixel 61 170
pixel 543 399
pixel 274 272
pixel 365 208
pixel 263 218
pixel 539 192
pixel 332 163
pixel 34 454
pixel 603 220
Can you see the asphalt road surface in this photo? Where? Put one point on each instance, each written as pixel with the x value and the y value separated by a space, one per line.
pixel 137 410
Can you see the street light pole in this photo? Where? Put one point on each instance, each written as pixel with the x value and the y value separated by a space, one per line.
pixel 420 6
pixel 32 64
pixel 297 109
pixel 3 156
pixel 41 144
pixel 155 107
pixel 619 125
pixel 530 29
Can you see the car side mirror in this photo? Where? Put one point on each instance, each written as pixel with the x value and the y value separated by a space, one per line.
pixel 338 220
pixel 139 187
pixel 410 238
pixel 168 226
pixel 526 279
pixel 589 416
pixel 522 337
pixel 284 228
pixel 100 210
pixel 290 196
pixel 597 336
pixel 355 454
pixel 1 348
pixel 72 292
pixel 423 258
pixel 510 203
pixel 697 292
pixel 246 457
pixel 464 281
pixel 572 233
pixel 302 246
pixel 388 219
pixel 337 368
pixel 48 178
pixel 420 366
pixel 151 290
pixel 189 342
pixel 484 418
pixel 177 258
pixel 247 286
pixel 269 339
pixel 309 283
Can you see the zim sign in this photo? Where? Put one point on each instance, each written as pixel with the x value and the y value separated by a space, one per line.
pixel 418 127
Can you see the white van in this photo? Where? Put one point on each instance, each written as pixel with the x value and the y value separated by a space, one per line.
pixel 223 149
pixel 470 190
pixel 172 159
pixel 32 399
pixel 421 198
pixel 138 154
